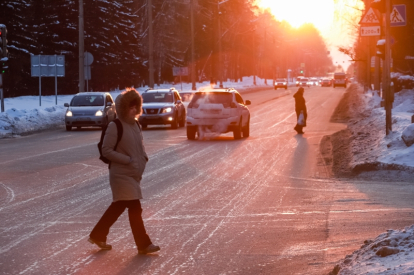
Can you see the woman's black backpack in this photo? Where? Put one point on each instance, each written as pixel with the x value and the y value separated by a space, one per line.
pixel 120 132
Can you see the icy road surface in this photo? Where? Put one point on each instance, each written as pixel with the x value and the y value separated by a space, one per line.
pixel 262 205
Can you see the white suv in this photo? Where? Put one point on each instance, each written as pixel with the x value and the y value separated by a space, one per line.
pixel 220 111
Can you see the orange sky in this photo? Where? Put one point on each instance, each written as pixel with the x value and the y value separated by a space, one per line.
pixel 330 17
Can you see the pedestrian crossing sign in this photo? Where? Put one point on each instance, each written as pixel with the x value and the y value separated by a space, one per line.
pixel 370 17
pixel 398 17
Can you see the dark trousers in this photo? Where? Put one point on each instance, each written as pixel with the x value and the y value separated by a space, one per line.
pixel 299 128
pixel 101 229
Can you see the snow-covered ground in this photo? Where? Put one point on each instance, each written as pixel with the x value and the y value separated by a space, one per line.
pixel 370 144
pixel 23 115
pixel 392 252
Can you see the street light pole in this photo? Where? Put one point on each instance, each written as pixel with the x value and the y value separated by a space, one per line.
pixel 193 65
pixel 151 46
pixel 387 67
pixel 81 49
pixel 220 65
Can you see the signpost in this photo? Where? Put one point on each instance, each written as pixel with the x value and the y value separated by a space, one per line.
pixel 88 60
pixel 180 71
pixel 370 30
pixel 47 66
pixel 398 16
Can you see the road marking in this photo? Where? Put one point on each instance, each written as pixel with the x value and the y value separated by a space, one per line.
pixel 51 152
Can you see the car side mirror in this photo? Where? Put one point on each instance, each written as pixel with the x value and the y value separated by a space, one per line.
pixel 248 102
pixel 109 104
pixel 66 104
pixel 178 101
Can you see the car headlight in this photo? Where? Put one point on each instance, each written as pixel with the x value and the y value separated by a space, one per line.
pixel 69 113
pixel 166 110
pixel 284 83
pixel 99 113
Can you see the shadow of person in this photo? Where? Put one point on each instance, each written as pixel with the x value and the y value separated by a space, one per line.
pixel 141 263
pixel 300 156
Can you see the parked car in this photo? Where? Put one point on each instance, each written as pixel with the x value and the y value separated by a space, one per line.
pixel 326 82
pixel 90 109
pixel 281 83
pixel 162 107
pixel 219 111
pixel 304 82
pixel 339 80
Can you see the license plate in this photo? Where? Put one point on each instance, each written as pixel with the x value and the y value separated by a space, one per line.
pixel 212 111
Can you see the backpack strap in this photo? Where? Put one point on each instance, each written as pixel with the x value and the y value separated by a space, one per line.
pixel 120 132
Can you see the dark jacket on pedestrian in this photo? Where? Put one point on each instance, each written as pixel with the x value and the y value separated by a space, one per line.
pixel 129 159
pixel 300 104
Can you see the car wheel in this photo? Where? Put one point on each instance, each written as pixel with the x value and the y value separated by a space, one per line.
pixel 246 129
pixel 174 124
pixel 191 132
pixel 238 131
pixel 275 88
pixel 68 128
pixel 182 121
pixel 285 88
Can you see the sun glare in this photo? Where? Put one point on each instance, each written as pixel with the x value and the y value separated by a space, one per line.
pixel 297 12
pixel 330 17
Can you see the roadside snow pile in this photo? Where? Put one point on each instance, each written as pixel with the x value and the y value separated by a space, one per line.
pixel 371 149
pixel 391 252
pixel 23 115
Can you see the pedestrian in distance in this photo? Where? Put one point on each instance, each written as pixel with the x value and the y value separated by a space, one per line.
pixel 300 106
pixel 127 164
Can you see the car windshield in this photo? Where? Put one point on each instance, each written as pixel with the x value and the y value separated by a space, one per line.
pixel 304 79
pixel 340 76
pixel 87 100
pixel 280 80
pixel 157 97
pixel 211 98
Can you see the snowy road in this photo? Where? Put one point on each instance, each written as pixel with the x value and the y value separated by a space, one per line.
pixel 262 205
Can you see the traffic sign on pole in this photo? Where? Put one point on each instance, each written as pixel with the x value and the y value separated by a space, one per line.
pixel 370 30
pixel 398 16
pixel 370 17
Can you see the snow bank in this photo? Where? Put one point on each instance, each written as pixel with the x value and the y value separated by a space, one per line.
pixel 391 252
pixel 23 115
pixel 369 144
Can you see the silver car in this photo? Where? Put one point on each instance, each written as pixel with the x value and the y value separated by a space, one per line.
pixel 162 107
pixel 90 109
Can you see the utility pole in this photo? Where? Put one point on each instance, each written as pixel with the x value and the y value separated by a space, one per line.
pixel 220 65
pixel 193 65
pixel 387 68
pixel 81 49
pixel 151 46
pixel 369 63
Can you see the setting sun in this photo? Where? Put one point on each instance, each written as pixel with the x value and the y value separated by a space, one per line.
pixel 298 12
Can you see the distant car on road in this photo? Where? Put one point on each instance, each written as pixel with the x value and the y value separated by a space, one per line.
pixel 326 82
pixel 303 82
pixel 313 81
pixel 218 111
pixel 339 80
pixel 298 80
pixel 90 109
pixel 162 107
pixel 281 83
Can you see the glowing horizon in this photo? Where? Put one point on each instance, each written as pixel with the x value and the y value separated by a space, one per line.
pixel 327 16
